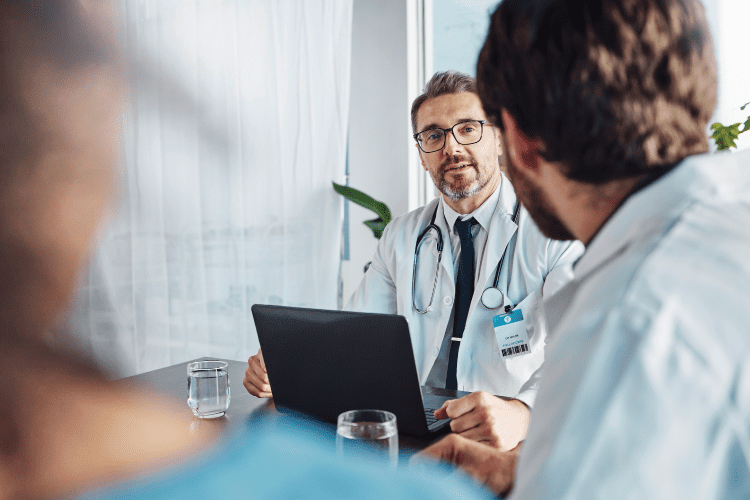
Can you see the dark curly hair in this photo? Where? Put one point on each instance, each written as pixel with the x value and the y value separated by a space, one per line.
pixel 613 88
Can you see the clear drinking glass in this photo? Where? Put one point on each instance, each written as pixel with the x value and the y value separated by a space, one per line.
pixel 368 432
pixel 208 388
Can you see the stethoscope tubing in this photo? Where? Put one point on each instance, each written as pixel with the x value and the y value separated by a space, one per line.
pixel 420 239
pixel 424 232
pixel 493 297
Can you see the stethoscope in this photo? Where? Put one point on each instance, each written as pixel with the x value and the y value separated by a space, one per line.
pixel 492 297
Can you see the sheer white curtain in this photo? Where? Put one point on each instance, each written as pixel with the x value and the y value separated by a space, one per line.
pixel 236 126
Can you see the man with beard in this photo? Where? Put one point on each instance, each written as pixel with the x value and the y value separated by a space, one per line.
pixel 435 265
pixel 603 107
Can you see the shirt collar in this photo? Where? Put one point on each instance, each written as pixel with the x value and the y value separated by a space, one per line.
pixel 656 206
pixel 483 213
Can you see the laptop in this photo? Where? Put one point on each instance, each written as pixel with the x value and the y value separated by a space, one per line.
pixel 323 363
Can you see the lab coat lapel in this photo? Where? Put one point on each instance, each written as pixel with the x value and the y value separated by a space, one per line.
pixel 447 261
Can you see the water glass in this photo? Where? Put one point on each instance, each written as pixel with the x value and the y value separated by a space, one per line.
pixel 208 388
pixel 370 433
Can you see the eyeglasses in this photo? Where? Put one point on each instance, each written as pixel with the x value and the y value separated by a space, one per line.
pixel 465 133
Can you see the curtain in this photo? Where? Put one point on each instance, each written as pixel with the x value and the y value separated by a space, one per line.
pixel 235 127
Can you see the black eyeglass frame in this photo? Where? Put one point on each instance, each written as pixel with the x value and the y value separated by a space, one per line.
pixel 445 134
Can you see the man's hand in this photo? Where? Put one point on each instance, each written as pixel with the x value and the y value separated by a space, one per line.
pixel 489 466
pixel 482 417
pixel 256 378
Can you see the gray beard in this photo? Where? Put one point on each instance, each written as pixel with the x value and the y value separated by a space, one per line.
pixel 454 195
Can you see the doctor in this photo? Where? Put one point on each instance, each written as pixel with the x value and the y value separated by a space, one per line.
pixel 468 271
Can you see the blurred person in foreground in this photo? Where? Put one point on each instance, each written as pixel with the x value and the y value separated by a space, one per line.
pixel 603 107
pixel 65 431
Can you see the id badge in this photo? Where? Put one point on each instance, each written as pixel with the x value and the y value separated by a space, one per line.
pixel 510 330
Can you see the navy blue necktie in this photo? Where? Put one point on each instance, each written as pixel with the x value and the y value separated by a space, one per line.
pixel 464 292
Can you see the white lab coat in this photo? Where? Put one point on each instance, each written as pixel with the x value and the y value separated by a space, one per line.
pixel 539 266
pixel 646 387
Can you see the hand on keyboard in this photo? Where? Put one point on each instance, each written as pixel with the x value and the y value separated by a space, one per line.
pixel 482 417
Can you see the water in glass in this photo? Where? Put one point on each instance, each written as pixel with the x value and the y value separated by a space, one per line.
pixel 371 434
pixel 208 389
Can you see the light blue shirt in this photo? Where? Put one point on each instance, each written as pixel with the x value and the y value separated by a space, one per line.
pixel 293 459
pixel 646 387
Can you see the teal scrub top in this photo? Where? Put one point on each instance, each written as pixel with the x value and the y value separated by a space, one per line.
pixel 294 460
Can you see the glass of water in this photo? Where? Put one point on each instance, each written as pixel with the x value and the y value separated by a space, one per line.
pixel 208 388
pixel 368 432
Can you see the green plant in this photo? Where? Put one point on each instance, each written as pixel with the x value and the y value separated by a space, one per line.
pixel 361 199
pixel 725 135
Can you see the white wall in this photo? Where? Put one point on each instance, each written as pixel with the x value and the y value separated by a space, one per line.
pixel 379 130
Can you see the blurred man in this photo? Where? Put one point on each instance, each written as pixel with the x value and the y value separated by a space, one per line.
pixel 474 313
pixel 603 107
pixel 66 429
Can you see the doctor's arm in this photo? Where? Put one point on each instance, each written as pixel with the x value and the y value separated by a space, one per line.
pixel 376 292
pixel 500 423
pixel 562 256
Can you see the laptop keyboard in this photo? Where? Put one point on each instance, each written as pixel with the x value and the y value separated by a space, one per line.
pixel 429 413
pixel 431 403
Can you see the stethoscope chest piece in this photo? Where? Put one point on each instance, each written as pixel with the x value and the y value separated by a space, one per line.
pixel 492 298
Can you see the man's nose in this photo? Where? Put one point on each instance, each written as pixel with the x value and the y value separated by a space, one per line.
pixel 451 144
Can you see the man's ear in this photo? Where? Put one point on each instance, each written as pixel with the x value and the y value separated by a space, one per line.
pixel 421 156
pixel 498 141
pixel 522 150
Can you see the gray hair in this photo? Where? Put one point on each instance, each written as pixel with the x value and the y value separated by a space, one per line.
pixel 442 83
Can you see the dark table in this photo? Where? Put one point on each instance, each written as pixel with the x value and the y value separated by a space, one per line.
pixel 172 381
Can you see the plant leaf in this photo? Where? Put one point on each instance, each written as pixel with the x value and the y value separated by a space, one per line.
pixel 363 200
pixel 377 226
pixel 747 125
pixel 725 135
